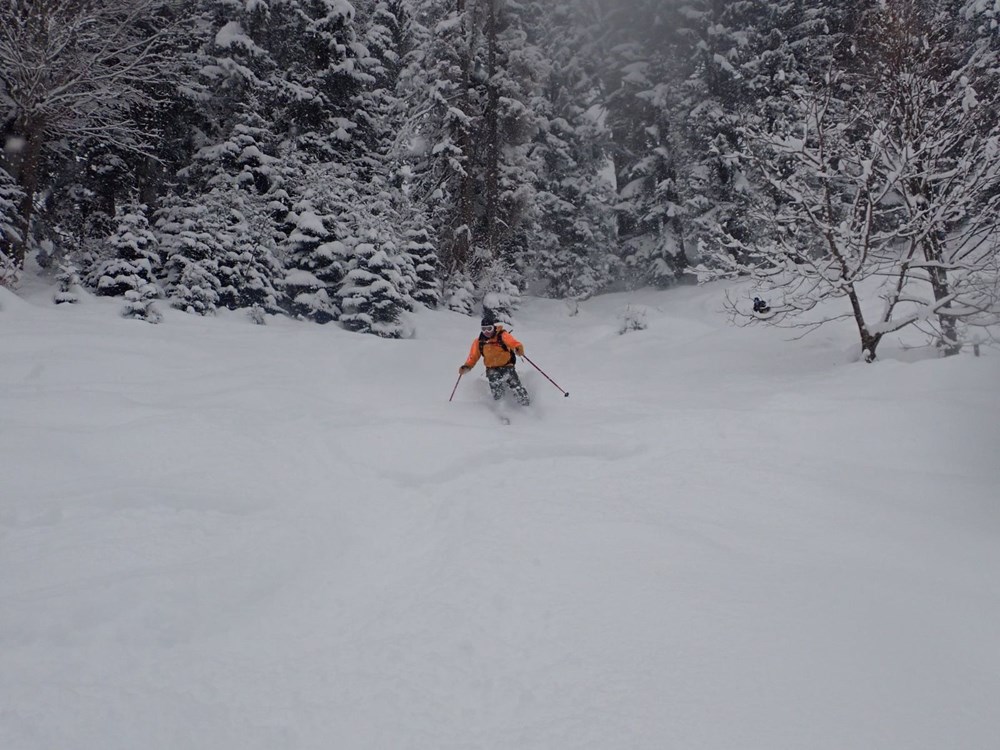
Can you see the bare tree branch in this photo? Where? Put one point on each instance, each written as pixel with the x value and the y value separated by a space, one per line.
pixel 73 71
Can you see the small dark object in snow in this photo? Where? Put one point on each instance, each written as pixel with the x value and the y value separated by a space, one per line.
pixel 760 306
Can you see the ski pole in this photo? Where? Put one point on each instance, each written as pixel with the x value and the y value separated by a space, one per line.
pixel 456 386
pixel 564 393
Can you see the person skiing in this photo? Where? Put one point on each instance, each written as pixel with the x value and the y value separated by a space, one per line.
pixel 499 350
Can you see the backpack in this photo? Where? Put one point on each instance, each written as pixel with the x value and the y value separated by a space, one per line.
pixel 503 345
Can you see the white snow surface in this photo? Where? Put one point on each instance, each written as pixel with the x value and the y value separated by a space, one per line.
pixel 221 536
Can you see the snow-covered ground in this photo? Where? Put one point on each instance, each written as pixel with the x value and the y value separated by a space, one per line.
pixel 221 536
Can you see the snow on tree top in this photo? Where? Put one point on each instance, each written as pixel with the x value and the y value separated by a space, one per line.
pixel 301 277
pixel 311 223
pixel 233 34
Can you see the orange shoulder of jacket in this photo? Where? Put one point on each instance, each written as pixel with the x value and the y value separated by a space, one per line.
pixel 509 338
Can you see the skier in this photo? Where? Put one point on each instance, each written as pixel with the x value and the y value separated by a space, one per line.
pixel 499 351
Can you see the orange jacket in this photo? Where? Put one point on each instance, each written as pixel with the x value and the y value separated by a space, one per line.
pixel 494 355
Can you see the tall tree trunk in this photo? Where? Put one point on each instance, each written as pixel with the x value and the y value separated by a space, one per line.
pixel 869 340
pixel 462 233
pixel 149 175
pixel 492 134
pixel 938 276
pixel 28 178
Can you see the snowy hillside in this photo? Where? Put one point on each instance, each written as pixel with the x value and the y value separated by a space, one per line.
pixel 221 536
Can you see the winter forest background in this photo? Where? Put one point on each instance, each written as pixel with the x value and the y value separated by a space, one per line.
pixel 347 161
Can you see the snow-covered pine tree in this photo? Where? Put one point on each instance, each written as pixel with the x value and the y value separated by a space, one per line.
pixel 140 304
pixel 387 216
pixel 982 18
pixel 417 244
pixel 645 61
pixel 470 86
pixel 317 53
pixel 270 76
pixel 515 68
pixel 68 279
pixel 752 59
pixel 193 239
pixel 500 294
pixel 299 61
pixel 369 296
pixel 439 127
pixel 10 197
pixel 78 213
pixel 460 293
pixel 572 251
pixel 316 264
pixel 377 219
pixel 379 268
pixel 682 79
pixel 248 269
pixel 134 255
pixel 241 159
pixel 238 176
pixel 386 212
pixel 379 112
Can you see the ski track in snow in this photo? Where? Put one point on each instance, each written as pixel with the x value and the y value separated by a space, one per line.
pixel 222 536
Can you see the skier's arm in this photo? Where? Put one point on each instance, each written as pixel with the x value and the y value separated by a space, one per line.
pixel 473 357
pixel 512 343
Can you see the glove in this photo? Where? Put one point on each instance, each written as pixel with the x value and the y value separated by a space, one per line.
pixel 463 369
pixel 519 350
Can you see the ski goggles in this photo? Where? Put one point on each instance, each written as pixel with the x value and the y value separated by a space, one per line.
pixel 488 330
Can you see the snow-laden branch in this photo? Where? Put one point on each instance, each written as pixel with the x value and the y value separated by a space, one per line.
pixel 893 188
pixel 73 70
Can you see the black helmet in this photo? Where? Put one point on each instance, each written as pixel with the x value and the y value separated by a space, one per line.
pixel 489 319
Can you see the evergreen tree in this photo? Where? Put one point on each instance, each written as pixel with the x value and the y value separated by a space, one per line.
pixel 500 295
pixel 242 159
pixel 470 128
pixel 571 143
pixel 193 238
pixel 573 248
pixel 83 197
pixel 10 196
pixel 391 276
pixel 684 79
pixel 515 65
pixel 427 290
pixel 379 111
pixel 316 261
pixel 140 304
pixel 645 113
pixel 439 128
pixel 69 285
pixel 239 178
pixel 369 296
pixel 460 293
pixel 248 269
pixel 134 260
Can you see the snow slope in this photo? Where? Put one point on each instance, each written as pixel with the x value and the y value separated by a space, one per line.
pixel 220 536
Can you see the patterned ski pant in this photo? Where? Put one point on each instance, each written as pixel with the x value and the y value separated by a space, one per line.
pixel 502 378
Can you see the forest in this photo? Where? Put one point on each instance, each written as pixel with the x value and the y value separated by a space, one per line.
pixel 344 162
